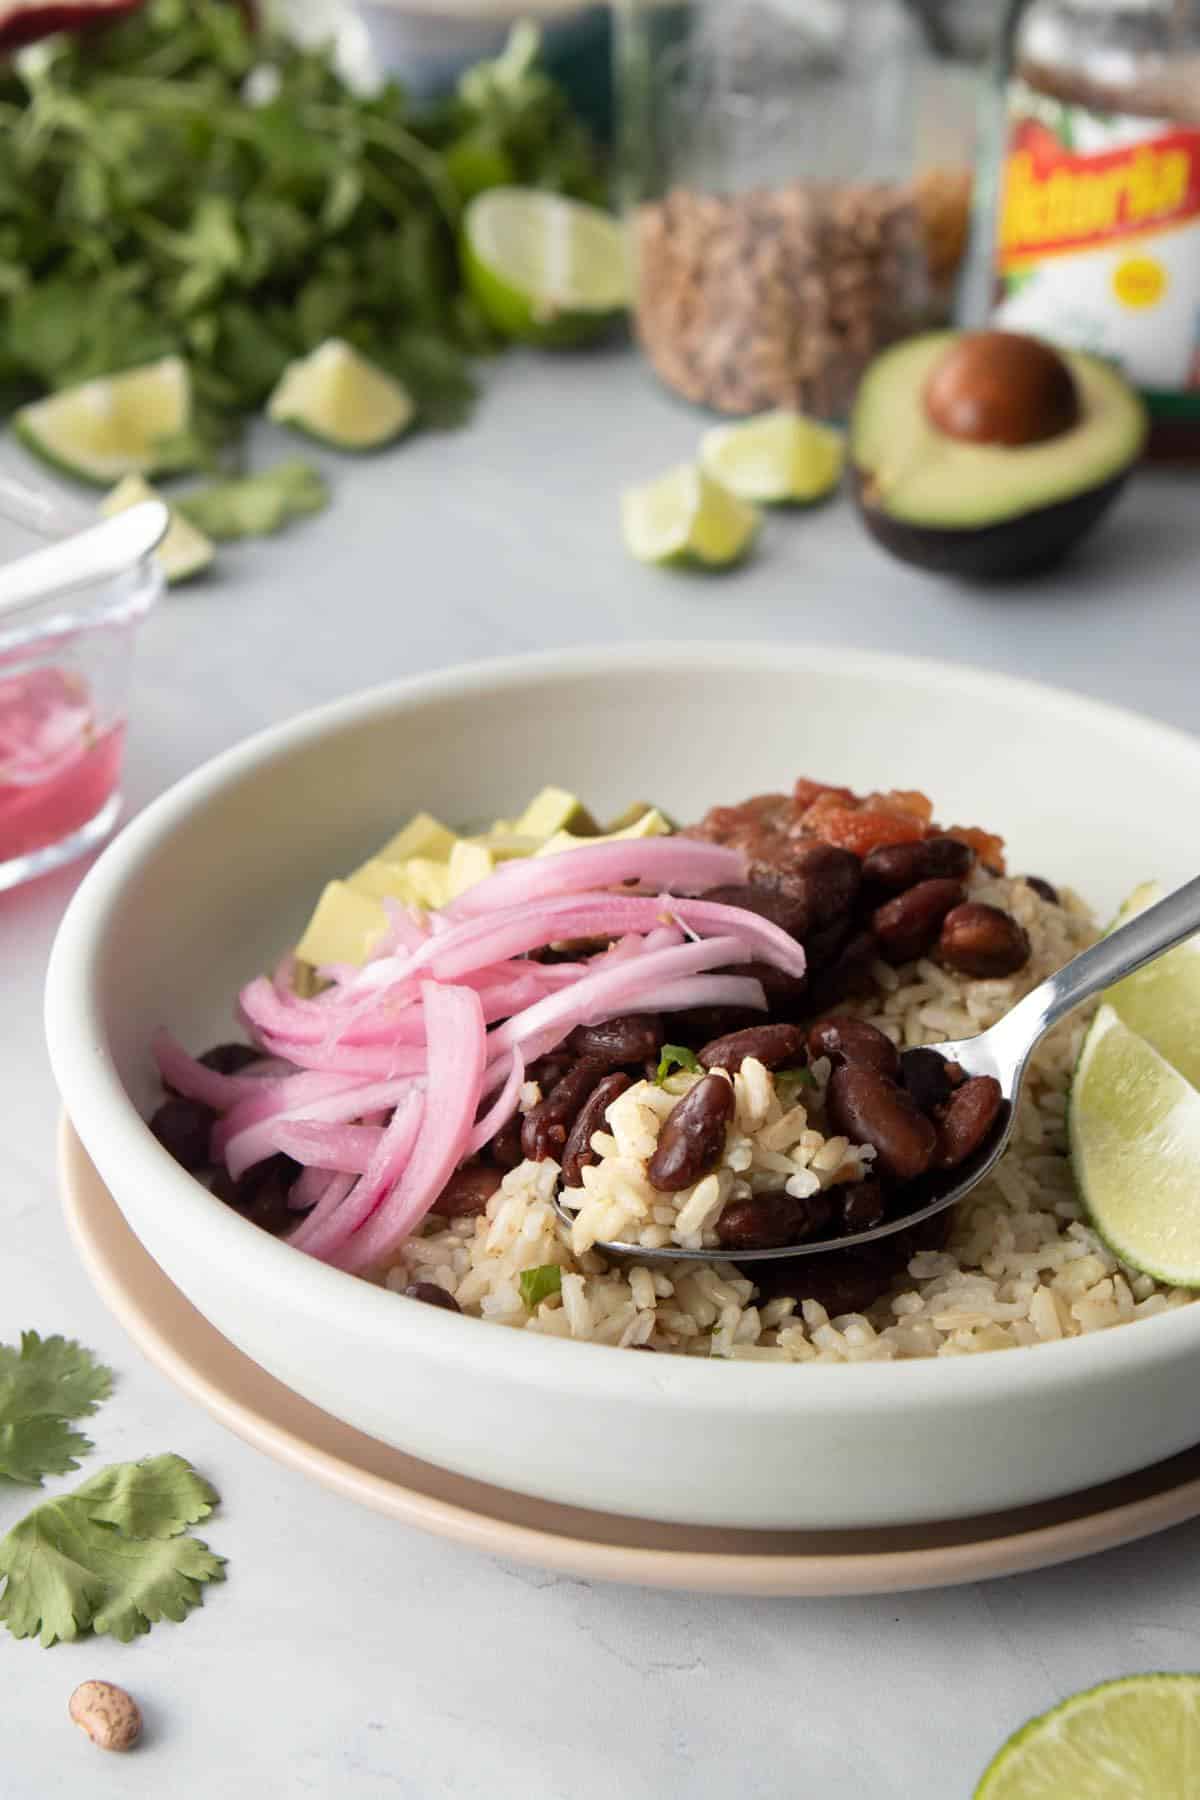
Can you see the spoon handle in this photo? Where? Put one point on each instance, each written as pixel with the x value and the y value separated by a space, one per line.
pixel 96 554
pixel 1122 952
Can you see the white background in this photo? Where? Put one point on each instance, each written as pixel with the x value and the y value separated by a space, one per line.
pixel 346 1656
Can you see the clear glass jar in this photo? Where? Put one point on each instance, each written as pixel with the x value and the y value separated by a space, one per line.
pixel 65 667
pixel 1094 236
pixel 798 200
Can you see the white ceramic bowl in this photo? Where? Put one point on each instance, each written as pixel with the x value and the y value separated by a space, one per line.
pixel 206 886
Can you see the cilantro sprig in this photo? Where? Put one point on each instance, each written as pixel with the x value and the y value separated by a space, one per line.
pixel 538 1284
pixel 44 1384
pixel 676 1056
pixel 113 1557
pixel 176 184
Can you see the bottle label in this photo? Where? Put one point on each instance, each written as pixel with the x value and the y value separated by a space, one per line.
pixel 1098 240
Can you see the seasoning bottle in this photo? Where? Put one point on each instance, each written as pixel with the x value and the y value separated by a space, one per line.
pixel 787 222
pixel 1095 241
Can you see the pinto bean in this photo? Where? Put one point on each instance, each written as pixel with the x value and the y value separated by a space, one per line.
pixel 693 1135
pixel 982 941
pixel 630 1038
pixel 547 1125
pixel 772 1045
pixel 967 1120
pixel 771 1221
pixel 578 1152
pixel 468 1191
pixel 870 1109
pixel 854 1041
pixel 908 926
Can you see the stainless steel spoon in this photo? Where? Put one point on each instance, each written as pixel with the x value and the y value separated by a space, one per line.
pixel 1004 1052
pixel 95 554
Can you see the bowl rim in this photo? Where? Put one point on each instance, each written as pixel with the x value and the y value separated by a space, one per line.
pixel 103 1113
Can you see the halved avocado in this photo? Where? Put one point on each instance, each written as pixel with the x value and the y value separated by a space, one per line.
pixel 987 454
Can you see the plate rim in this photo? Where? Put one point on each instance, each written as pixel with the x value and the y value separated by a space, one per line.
pixel 779 1574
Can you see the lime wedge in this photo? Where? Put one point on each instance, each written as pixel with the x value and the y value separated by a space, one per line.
pixel 779 458
pixel 1134 1128
pixel 337 396
pixel 1162 1001
pixel 1136 1739
pixel 108 428
pixel 686 516
pixel 184 551
pixel 544 269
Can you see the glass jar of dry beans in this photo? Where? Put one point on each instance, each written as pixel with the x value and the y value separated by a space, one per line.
pixel 798 198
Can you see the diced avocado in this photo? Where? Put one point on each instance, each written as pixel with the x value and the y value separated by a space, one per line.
pixel 629 817
pixel 422 836
pixel 506 845
pixel 429 881
pixel 381 880
pixel 554 809
pixel 980 505
pixel 470 863
pixel 651 824
pixel 344 927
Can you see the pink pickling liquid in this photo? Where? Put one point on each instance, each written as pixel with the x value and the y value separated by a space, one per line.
pixel 56 770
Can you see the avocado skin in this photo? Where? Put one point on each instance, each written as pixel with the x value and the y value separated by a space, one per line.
pixel 1026 545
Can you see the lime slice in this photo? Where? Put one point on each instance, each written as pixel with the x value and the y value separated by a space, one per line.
pixel 336 395
pixel 184 551
pixel 544 269
pixel 1134 1128
pixel 1162 1001
pixel 104 429
pixel 1136 1739
pixel 686 516
pixel 779 458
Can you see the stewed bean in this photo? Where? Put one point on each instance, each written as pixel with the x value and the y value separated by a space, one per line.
pixel 927 1076
pixel 578 1152
pixel 982 941
pixel 432 1294
pixel 546 1126
pixel 784 910
pixel 772 1045
pixel 693 1136
pixel 870 1109
pixel 630 1038
pixel 1042 887
pixel 505 1148
pixel 183 1127
pixel 261 1194
pixel 230 1059
pixel 895 867
pixel 863 1205
pixel 769 1221
pixel 821 878
pixel 853 1041
pixel 967 1120
pixel 908 926
pixel 850 975
pixel 468 1191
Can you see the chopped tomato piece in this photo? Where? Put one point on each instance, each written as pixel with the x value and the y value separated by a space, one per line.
pixel 805 793
pixel 987 846
pixel 863 831
pixel 902 800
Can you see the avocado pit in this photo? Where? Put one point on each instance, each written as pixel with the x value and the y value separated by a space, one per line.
pixel 997 387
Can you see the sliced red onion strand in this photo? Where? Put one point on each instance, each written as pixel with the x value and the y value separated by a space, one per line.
pixel 666 862
pixel 344 1149
pixel 333 1220
pixel 502 1108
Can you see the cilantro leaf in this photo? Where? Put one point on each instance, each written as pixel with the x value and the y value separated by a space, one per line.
pixel 45 1383
pixel 252 505
pixel 114 1557
pixel 537 1284
pixel 676 1056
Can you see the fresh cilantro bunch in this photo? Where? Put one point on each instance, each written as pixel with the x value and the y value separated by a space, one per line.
pixel 172 183
pixel 115 1556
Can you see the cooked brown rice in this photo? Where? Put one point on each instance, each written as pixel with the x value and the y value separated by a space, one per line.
pixel 1020 1267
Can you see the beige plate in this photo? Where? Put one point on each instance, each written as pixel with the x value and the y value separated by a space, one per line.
pixel 596 1546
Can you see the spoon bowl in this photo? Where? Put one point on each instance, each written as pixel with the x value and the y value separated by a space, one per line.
pixel 1002 1052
